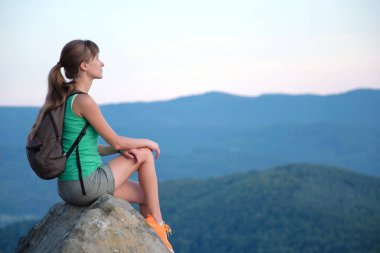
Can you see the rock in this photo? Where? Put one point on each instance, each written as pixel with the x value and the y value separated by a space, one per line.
pixel 108 225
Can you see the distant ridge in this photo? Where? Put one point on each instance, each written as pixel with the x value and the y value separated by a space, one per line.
pixel 221 94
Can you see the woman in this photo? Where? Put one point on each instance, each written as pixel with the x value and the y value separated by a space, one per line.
pixel 80 63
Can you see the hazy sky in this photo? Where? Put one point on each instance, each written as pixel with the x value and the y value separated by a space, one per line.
pixel 162 49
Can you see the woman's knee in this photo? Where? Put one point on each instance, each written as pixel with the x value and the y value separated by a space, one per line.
pixel 145 154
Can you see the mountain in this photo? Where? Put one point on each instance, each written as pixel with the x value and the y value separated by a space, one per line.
pixel 294 208
pixel 210 135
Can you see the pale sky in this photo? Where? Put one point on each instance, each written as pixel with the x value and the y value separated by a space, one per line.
pixel 158 50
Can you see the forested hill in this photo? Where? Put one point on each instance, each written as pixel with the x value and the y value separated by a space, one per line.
pixel 294 208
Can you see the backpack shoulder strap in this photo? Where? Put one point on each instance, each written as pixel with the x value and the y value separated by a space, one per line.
pixel 77 140
pixel 75 92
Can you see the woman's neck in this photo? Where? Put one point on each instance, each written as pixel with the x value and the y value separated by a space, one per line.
pixel 83 84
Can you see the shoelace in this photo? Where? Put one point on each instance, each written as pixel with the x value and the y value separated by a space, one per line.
pixel 167 228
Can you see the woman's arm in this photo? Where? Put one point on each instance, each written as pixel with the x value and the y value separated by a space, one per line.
pixel 85 106
pixel 106 150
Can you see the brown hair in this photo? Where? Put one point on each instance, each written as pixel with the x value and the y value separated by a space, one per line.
pixel 73 54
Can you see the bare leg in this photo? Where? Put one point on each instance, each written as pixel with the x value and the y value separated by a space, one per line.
pixel 132 192
pixel 149 184
pixel 146 191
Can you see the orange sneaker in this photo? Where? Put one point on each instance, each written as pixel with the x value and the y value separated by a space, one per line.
pixel 161 230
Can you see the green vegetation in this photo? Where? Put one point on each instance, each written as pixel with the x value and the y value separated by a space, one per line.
pixel 296 208
pixel 10 235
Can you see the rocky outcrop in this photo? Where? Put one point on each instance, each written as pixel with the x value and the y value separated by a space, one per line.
pixel 108 225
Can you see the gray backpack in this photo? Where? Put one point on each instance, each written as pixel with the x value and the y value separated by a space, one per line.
pixel 45 150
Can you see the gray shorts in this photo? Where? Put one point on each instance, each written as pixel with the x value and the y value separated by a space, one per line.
pixel 98 183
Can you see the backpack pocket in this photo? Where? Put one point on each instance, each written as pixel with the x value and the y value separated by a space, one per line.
pixel 36 146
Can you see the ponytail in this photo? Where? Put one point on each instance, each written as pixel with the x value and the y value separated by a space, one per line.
pixel 58 90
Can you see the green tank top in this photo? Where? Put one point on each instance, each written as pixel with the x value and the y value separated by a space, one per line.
pixel 90 159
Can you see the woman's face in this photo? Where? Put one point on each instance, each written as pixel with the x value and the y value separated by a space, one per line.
pixel 94 67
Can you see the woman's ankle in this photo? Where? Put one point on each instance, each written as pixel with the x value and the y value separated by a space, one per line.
pixel 158 221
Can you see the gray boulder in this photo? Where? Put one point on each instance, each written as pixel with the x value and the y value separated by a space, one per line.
pixel 108 225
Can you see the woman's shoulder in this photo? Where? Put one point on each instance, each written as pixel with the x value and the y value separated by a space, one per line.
pixel 84 99
pixel 84 103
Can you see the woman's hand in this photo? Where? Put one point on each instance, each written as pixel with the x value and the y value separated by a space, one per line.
pixel 131 154
pixel 154 147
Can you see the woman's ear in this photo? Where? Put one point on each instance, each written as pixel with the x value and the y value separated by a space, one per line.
pixel 83 66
